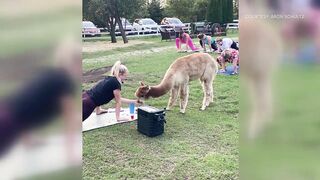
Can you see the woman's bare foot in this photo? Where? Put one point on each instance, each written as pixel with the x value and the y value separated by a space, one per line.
pixel 101 111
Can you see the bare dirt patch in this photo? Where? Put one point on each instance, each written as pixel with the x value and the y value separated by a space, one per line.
pixel 107 45
pixel 95 75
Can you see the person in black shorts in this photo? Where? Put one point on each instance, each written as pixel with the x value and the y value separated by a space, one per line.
pixel 104 91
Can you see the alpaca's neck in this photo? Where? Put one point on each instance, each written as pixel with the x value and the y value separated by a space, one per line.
pixel 162 88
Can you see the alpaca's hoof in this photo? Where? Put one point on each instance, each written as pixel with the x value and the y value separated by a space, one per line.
pixel 182 111
pixel 203 108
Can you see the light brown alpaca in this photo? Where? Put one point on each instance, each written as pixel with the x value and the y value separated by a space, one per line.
pixel 258 62
pixel 195 66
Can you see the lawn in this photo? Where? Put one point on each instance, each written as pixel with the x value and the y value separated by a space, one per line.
pixel 195 145
pixel 289 147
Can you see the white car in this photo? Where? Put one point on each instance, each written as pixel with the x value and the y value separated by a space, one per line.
pixel 128 28
pixel 146 25
pixel 89 29
pixel 233 25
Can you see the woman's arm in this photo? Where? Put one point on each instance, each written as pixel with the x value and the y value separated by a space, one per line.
pixel 129 101
pixel 204 45
pixel 117 97
pixel 209 43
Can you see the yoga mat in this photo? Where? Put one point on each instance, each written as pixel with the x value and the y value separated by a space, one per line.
pixel 229 70
pixel 107 119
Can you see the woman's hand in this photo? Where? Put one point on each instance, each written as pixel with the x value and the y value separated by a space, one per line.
pixel 123 119
pixel 138 102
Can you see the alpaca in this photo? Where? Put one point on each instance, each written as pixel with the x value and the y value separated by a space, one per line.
pixel 258 62
pixel 195 66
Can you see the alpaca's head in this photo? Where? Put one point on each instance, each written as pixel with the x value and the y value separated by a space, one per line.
pixel 142 91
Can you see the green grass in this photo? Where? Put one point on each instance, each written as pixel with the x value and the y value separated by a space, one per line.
pixel 142 46
pixel 289 147
pixel 195 145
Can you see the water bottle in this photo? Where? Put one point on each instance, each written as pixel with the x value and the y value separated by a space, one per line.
pixel 131 107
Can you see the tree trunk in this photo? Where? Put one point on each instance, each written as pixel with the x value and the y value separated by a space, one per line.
pixel 111 25
pixel 123 34
pixel 113 34
pixel 118 20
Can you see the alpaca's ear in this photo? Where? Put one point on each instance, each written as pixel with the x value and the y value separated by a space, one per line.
pixel 141 83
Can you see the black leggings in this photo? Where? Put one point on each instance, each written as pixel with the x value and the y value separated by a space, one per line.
pixel 213 45
pixel 234 46
pixel 88 106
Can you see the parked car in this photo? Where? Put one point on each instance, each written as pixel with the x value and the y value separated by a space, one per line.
pixel 127 26
pixel 202 27
pixel 174 23
pixel 146 25
pixel 233 25
pixel 89 29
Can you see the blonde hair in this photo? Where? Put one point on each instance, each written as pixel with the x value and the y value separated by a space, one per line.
pixel 118 69
pixel 218 39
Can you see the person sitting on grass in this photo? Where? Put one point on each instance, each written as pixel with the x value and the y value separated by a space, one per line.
pixel 207 40
pixel 184 38
pixel 106 90
pixel 226 43
pixel 231 56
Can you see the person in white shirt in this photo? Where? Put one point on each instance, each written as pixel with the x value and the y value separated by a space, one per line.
pixel 226 43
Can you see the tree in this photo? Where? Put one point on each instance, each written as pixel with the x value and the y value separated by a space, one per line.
pixel 85 7
pixel 236 9
pixel 182 9
pixel 99 13
pixel 108 13
pixel 220 11
pixel 124 8
pixel 155 11
pixel 200 10
pixel 214 11
pixel 227 11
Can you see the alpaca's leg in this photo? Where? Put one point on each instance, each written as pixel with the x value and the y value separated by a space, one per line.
pixel 261 103
pixel 184 95
pixel 211 91
pixel 208 91
pixel 173 97
pixel 206 94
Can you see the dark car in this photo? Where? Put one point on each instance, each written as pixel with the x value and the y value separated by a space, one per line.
pixel 173 23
